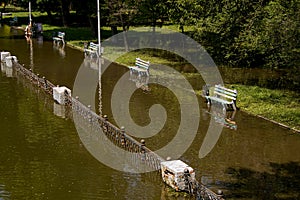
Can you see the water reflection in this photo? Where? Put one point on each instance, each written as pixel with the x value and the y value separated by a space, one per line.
pixel 59 110
pixel 141 81
pixel 4 195
pixel 60 49
pixel 222 116
pixel 30 44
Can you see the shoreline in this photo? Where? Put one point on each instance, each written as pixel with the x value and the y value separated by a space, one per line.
pixel 197 93
pixel 275 122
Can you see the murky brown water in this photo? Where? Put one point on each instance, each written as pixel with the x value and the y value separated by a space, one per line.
pixel 42 156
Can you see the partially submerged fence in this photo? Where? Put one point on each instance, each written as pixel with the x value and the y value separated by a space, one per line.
pixel 117 135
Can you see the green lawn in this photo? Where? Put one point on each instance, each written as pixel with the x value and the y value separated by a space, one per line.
pixel 278 105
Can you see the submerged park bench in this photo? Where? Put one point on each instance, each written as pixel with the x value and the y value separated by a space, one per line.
pixel 141 67
pixel 91 49
pixel 60 38
pixel 222 95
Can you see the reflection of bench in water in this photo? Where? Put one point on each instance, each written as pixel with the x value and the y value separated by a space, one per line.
pixel 222 117
pixel 141 81
pixel 141 67
pixel 60 50
pixel 227 122
pixel 221 95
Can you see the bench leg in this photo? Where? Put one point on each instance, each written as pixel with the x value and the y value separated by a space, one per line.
pixel 234 107
pixel 63 43
pixel 208 103
pixel 224 109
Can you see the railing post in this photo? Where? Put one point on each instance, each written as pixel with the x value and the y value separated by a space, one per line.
pixel 31 74
pixel 123 142
pixel 143 144
pixel 38 81
pixel 45 82
pixel 105 123
pixel 89 113
pixel 76 106
pixel 220 194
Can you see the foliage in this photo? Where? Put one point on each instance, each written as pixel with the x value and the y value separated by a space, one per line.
pixel 259 33
pixel 184 12
pixel 245 33
pixel 152 12
pixel 121 13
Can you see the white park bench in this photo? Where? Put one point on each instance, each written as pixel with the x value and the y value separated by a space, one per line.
pixel 141 67
pixel 91 50
pixel 60 38
pixel 222 95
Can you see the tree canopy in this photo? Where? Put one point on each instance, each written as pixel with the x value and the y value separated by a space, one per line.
pixel 239 33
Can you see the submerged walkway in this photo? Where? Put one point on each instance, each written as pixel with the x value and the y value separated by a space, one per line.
pixel 116 135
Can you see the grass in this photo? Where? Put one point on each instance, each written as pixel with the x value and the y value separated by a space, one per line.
pixel 129 58
pixel 278 105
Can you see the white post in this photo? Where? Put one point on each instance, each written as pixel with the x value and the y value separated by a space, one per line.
pixel 99 60
pixel 99 38
pixel 29 11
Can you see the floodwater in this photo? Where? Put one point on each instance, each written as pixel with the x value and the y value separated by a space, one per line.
pixel 42 156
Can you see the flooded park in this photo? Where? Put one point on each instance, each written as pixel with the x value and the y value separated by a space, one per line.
pixel 43 156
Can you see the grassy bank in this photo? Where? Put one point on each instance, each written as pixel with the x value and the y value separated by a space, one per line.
pixel 278 105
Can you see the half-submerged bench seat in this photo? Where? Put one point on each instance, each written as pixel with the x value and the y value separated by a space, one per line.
pixel 141 67
pixel 222 95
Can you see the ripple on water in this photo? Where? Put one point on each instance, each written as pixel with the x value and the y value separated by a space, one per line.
pixel 4 195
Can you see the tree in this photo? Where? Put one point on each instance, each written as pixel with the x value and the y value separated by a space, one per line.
pixel 121 13
pixel 47 6
pixel 152 11
pixel 184 12
pixel 65 11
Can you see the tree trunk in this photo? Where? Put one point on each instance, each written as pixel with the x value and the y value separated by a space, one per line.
pixel 114 29
pixel 181 28
pixel 50 16
pixel 124 33
pixel 65 4
pixel 92 25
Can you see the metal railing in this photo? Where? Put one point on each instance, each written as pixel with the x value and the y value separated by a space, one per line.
pixel 117 135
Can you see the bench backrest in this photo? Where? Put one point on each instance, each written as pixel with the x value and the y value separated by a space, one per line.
pixel 93 46
pixel 61 35
pixel 142 64
pixel 225 92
